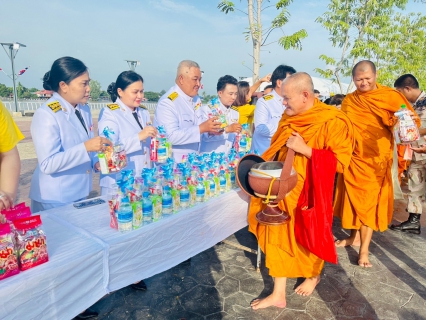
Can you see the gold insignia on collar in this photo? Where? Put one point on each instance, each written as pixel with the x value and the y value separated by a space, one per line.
pixel 55 106
pixel 268 97
pixel 143 107
pixel 173 96
pixel 234 108
pixel 113 106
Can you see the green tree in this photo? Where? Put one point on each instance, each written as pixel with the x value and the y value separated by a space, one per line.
pixel 399 48
pixel 20 90
pixel 95 90
pixel 352 25
pixel 162 92
pixel 259 33
pixel 5 91
pixel 152 96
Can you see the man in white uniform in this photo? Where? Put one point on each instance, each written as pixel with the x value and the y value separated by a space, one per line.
pixel 178 110
pixel 227 91
pixel 269 110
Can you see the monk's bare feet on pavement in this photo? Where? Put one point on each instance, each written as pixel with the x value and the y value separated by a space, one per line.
pixel 308 286
pixel 269 301
pixel 353 240
pixel 364 261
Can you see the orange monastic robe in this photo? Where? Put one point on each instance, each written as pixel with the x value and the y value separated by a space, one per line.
pixel 322 127
pixel 364 194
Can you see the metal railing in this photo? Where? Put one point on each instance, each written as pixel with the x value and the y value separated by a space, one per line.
pixel 32 106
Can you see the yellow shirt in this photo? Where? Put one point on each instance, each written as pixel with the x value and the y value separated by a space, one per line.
pixel 246 113
pixel 10 134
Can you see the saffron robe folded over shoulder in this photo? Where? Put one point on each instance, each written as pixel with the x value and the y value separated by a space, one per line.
pixel 322 127
pixel 364 194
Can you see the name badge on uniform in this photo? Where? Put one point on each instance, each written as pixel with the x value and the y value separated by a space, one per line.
pixel 55 106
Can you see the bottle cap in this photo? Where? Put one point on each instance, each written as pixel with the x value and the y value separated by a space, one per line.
pixel 403 106
pixel 146 194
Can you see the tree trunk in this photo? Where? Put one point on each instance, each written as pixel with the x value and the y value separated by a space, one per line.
pixel 256 35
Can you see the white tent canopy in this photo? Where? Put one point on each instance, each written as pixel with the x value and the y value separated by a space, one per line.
pixel 326 87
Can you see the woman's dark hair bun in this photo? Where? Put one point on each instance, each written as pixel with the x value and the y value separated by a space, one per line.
pixel 112 91
pixel 46 83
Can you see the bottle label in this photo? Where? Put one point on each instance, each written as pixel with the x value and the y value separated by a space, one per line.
pixel 184 196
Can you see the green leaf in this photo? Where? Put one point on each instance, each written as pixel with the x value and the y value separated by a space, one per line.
pixel 226 6
pixel 293 41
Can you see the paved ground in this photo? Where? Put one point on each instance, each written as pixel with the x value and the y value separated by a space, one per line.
pixel 219 283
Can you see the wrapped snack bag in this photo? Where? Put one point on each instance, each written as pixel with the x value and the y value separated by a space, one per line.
pixel 114 158
pixel 214 106
pixel 406 128
pixel 8 257
pixel 16 213
pixel 30 242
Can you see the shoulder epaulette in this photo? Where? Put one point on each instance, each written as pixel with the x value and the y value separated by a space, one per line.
pixel 268 97
pixel 113 106
pixel 234 108
pixel 55 106
pixel 143 107
pixel 173 96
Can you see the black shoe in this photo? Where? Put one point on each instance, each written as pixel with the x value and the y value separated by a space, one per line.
pixel 87 314
pixel 141 285
pixel 412 225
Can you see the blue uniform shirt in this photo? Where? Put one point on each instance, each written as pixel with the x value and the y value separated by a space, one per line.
pixel 64 170
pixel 122 122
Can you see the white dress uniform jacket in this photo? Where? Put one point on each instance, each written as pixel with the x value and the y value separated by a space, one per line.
pixel 120 120
pixel 64 170
pixel 223 142
pixel 267 115
pixel 181 116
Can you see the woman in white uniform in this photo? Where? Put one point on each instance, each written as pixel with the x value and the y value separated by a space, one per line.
pixel 62 131
pixel 130 123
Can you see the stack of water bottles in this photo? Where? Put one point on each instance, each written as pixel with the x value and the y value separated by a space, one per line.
pixel 169 188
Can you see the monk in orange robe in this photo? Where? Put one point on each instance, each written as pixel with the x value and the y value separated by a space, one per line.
pixel 364 193
pixel 306 124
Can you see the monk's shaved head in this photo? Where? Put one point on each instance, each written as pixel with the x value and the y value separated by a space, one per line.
pixel 298 94
pixel 300 81
pixel 363 66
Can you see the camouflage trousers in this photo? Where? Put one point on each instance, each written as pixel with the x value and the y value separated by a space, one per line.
pixel 417 186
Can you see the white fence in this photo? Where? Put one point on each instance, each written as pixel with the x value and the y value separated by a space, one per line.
pixel 32 106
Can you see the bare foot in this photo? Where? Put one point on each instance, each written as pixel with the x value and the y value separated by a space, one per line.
pixel 347 242
pixel 364 261
pixel 269 301
pixel 308 286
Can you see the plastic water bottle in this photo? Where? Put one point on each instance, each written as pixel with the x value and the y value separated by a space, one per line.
pixel 125 216
pixel 243 143
pixel 184 195
pixel 222 181
pixel 146 208
pixel 201 191
pixel 137 215
pixel 167 201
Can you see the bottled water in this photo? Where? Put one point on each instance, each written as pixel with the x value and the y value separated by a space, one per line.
pixel 125 216
pixel 146 208
pixel 184 195
pixel 167 201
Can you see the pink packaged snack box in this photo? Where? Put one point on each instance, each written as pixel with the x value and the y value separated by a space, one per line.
pixel 30 242
pixel 18 211
pixel 8 257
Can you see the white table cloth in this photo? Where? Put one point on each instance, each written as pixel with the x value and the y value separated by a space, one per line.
pixel 72 280
pixel 159 246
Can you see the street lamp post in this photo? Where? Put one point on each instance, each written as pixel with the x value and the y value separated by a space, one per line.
pixel 132 64
pixel 13 51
